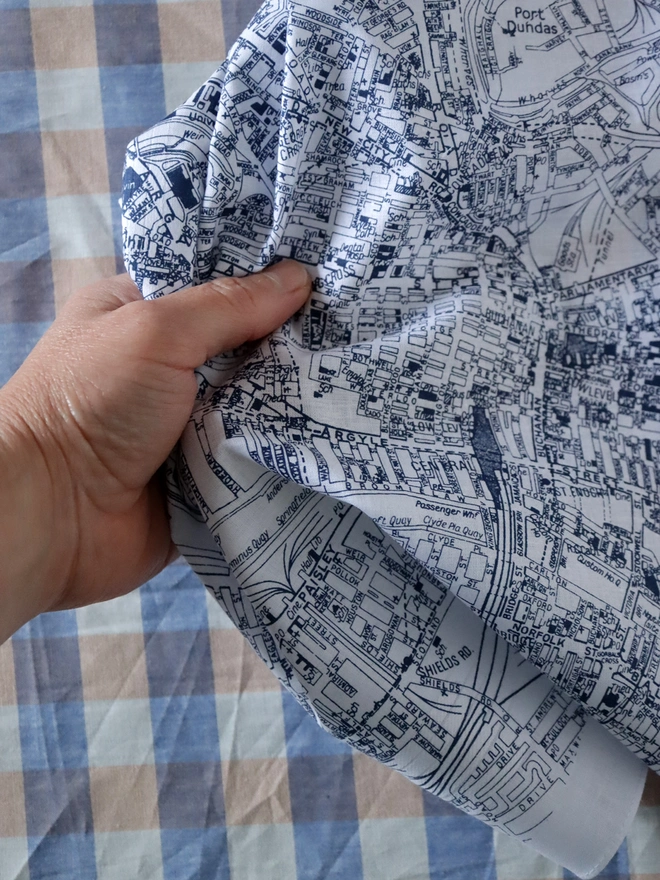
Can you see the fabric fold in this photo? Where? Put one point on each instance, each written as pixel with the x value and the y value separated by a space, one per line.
pixel 458 433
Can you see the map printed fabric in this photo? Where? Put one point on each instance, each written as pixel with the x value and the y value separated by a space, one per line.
pixel 448 461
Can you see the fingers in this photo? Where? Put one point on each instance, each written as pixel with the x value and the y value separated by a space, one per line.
pixel 200 322
pixel 189 327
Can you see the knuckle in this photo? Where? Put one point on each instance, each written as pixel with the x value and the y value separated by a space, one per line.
pixel 240 294
pixel 235 288
pixel 141 325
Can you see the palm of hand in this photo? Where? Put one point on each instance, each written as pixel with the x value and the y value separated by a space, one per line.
pixel 120 389
pixel 116 405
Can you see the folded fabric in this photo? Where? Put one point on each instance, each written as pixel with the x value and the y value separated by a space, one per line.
pixel 447 462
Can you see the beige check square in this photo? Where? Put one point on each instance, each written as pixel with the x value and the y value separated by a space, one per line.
pixel 75 162
pixel 12 806
pixel 382 793
pixel 113 667
pixel 124 798
pixel 256 791
pixel 235 665
pixel 63 38
pixel 7 675
pixel 191 31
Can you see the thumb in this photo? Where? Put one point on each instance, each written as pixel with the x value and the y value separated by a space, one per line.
pixel 198 323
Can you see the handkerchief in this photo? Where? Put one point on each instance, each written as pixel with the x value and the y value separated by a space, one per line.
pixel 430 500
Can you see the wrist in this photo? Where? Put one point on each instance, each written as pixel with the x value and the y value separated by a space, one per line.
pixel 37 515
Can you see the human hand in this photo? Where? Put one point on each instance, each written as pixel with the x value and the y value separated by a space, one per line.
pixel 88 419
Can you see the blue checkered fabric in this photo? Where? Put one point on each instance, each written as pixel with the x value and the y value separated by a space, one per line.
pixel 142 738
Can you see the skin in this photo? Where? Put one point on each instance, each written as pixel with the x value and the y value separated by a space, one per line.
pixel 88 419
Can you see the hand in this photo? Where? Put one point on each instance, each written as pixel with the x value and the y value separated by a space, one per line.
pixel 88 419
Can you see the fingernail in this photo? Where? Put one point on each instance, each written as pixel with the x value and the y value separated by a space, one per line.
pixel 289 275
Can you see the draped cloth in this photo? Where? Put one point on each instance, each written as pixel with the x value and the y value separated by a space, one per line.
pixel 429 501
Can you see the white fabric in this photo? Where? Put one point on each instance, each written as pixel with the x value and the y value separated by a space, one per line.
pixel 454 446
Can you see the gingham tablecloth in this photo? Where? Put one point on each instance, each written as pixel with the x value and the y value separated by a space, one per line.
pixel 142 738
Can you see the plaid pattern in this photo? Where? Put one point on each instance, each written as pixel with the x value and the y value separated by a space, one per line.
pixel 143 738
